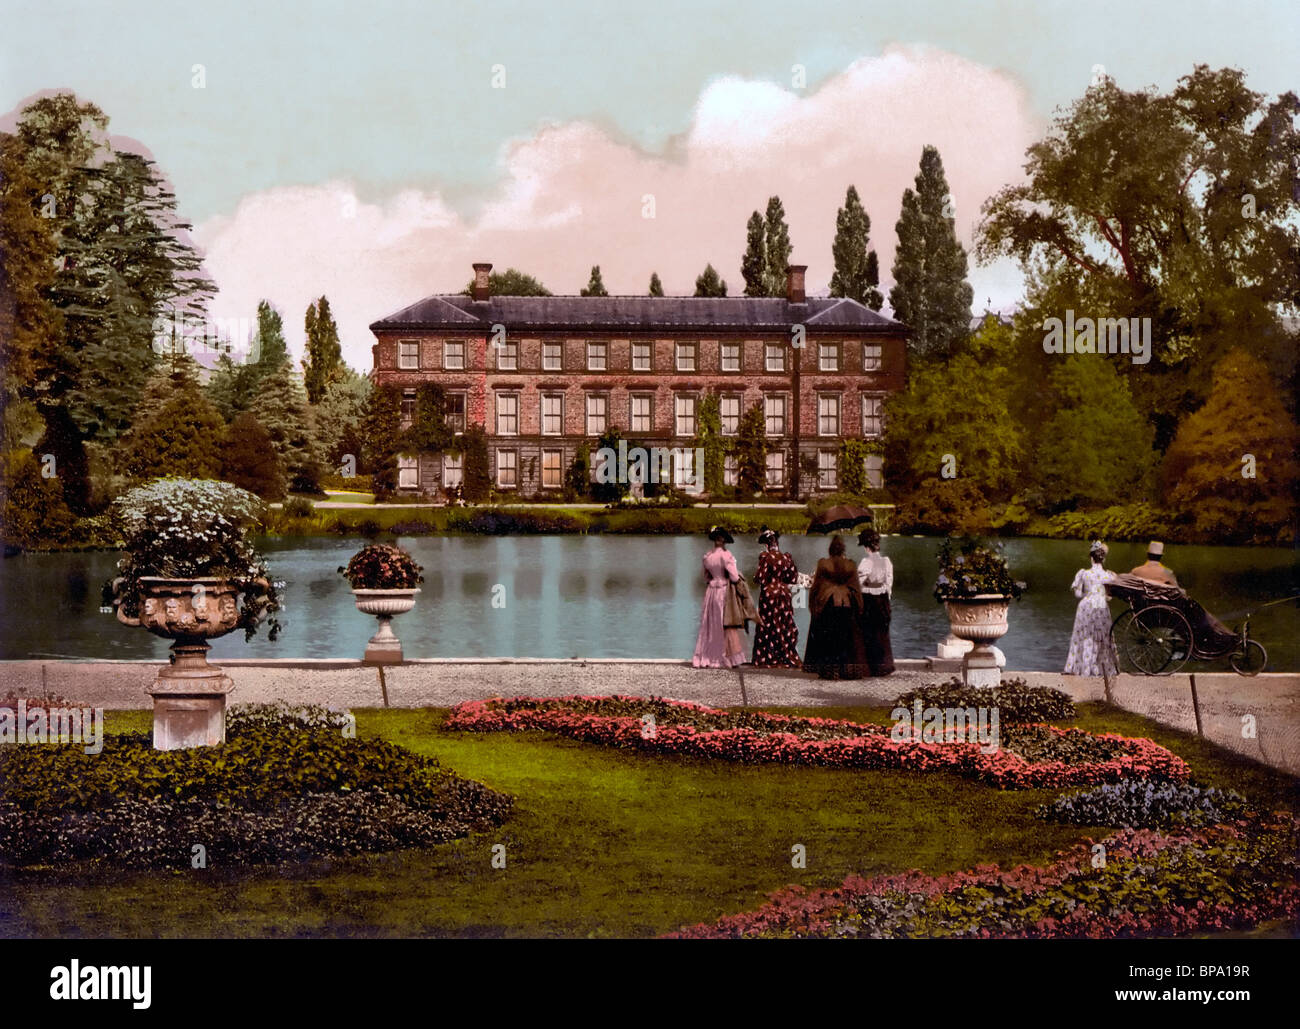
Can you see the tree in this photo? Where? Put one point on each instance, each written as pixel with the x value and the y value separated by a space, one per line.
pixel 230 387
pixel 857 271
pixel 269 348
pixel 751 450
pixel 175 430
pixel 930 293
pixel 776 241
pixel 595 287
pixel 656 287
pixel 249 459
pixel 511 283
pixel 381 429
pixel 709 438
pixel 339 415
pixel 753 266
pixel 710 284
pixel 1231 471
pixel 1096 448
pixel 578 477
pixel 324 359
pixel 35 515
pixel 478 468
pixel 606 487
pixel 281 406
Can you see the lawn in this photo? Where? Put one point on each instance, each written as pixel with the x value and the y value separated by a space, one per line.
pixel 602 843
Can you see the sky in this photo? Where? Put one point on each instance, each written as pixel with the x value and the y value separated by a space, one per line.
pixel 372 151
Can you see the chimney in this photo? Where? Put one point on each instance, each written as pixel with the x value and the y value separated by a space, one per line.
pixel 482 291
pixel 793 283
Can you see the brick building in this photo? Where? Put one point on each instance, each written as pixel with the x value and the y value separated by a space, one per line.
pixel 545 374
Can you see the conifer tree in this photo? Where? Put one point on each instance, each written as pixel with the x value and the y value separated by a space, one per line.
pixel 753 266
pixel 250 461
pixel 710 284
pixel 656 287
pixel 595 287
pixel 931 294
pixel 751 450
pixel 281 406
pixel 857 272
pixel 324 352
pixel 175 429
pixel 776 240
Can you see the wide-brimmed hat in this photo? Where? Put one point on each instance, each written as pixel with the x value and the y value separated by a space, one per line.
pixel 719 533
pixel 869 538
pixel 1155 548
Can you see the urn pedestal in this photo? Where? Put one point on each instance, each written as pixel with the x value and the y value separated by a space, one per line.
pixel 189 695
pixel 981 620
pixel 384 647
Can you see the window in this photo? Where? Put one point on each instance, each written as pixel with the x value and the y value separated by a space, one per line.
pixel 552 357
pixel 596 353
pixel 774 415
pixel 508 355
pixel 507 414
pixel 507 469
pixel 774 357
pixel 453 355
pixel 552 414
pixel 684 470
pixel 552 469
pixel 408 353
pixel 874 466
pixel 597 413
pixel 826 477
pixel 686 357
pixel 640 357
pixel 828 357
pixel 729 409
pixel 408 408
pixel 408 472
pixel 453 470
pixel 642 420
pixel 828 414
pixel 454 411
pixel 730 470
pixel 871 357
pixel 684 408
pixel 731 357
pixel 775 469
pixel 873 416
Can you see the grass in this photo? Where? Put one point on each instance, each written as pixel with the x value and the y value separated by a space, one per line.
pixel 603 843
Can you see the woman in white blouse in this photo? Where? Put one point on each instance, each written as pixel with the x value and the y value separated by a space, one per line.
pixel 876 577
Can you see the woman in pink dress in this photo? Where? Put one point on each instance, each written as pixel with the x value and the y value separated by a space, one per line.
pixel 716 646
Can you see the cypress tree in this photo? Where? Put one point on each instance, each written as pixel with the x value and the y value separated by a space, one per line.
pixel 710 283
pixel 595 287
pixel 777 243
pixel 324 357
pixel 175 430
pixel 656 287
pixel 930 293
pixel 753 266
pixel 857 271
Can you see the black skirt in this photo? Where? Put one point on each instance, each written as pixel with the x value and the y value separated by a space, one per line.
pixel 876 614
pixel 836 649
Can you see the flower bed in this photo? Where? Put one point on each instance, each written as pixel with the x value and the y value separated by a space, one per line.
pixel 1150 884
pixel 1063 757
pixel 286 785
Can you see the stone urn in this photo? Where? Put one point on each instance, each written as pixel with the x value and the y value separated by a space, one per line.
pixel 189 695
pixel 384 647
pixel 981 620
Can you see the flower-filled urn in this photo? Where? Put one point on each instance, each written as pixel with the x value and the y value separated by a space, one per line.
pixel 384 580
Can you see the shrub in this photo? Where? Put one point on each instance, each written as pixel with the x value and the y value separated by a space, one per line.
pixel 299 507
pixel 248 719
pixel 35 515
pixel 1119 522
pixel 1144 803
pixel 348 484
pixel 939 506
pixel 1015 700
pixel 381 566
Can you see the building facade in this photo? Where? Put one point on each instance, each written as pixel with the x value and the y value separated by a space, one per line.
pixel 544 375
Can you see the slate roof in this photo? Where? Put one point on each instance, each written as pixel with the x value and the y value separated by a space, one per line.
pixel 637 314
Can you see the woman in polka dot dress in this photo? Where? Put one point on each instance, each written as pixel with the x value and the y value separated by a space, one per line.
pixel 776 644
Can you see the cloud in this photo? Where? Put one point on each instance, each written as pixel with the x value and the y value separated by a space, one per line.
pixel 573 195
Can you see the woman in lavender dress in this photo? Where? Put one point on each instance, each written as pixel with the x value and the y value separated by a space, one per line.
pixel 1091 650
pixel 717 646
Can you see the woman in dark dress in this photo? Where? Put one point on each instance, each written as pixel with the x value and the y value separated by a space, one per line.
pixel 876 577
pixel 776 644
pixel 836 649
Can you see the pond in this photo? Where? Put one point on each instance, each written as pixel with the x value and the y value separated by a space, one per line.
pixel 607 596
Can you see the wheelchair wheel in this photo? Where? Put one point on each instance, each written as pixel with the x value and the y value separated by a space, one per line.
pixel 1158 641
pixel 1250 660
